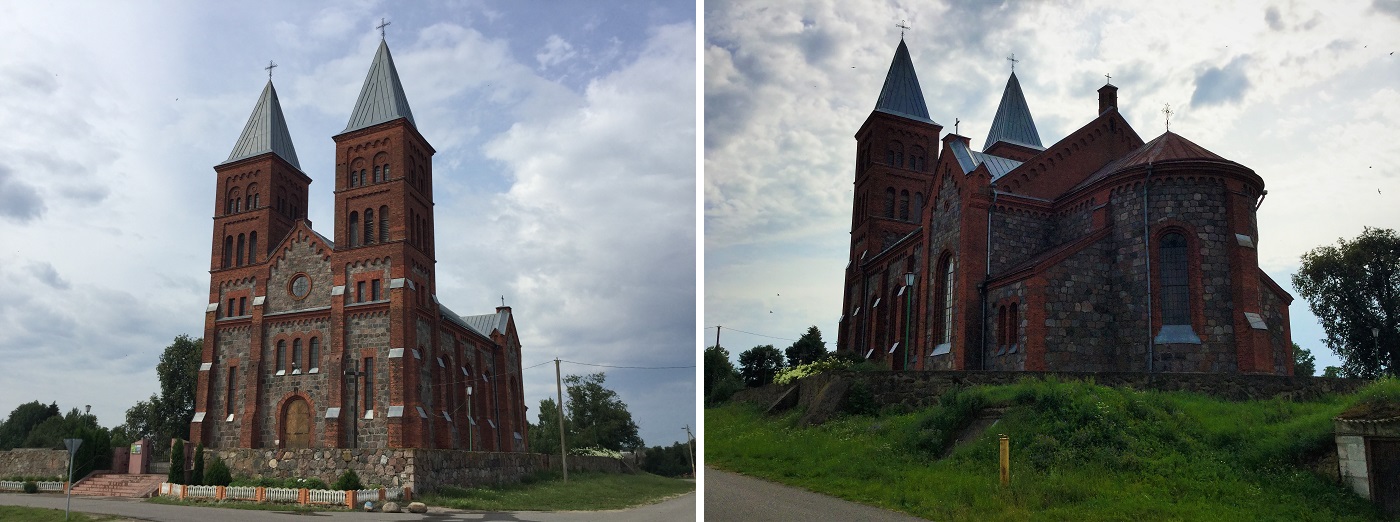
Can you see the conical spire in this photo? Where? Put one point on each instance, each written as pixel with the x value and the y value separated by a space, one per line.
pixel 901 95
pixel 266 131
pixel 1013 123
pixel 381 97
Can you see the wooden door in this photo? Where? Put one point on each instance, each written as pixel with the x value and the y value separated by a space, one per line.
pixel 297 423
pixel 1385 474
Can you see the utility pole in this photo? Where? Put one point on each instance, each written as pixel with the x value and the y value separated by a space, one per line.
pixel 563 451
pixel 689 448
pixel 717 329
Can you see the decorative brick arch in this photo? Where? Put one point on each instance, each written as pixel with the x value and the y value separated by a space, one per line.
pixel 283 407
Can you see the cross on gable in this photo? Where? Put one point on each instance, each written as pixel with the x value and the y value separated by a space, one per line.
pixel 269 68
pixel 381 26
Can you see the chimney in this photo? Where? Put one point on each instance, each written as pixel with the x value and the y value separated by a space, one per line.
pixel 1108 97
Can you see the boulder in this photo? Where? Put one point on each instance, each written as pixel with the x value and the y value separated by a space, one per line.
pixel 392 507
pixel 417 507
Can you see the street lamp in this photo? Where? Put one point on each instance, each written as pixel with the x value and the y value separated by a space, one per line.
pixel 471 423
pixel 908 305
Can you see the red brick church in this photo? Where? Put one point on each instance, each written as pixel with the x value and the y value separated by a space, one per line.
pixel 314 342
pixel 1098 253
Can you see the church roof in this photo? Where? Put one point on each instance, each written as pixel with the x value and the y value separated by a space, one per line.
pixel 266 131
pixel 1013 123
pixel 970 159
pixel 1170 146
pixel 487 323
pixel 381 98
pixel 901 95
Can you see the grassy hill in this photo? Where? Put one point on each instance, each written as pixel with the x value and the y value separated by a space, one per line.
pixel 1079 451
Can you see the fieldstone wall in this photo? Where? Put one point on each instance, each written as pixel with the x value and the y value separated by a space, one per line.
pixel 33 463
pixel 232 344
pixel 421 469
pixel 305 255
pixel 1017 235
pixel 1078 308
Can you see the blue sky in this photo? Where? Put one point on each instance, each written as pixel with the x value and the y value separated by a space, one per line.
pixel 1304 93
pixel 556 124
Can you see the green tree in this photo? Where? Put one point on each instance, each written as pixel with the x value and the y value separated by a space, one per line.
pixel 1354 289
pixel 22 420
pixel 721 379
pixel 218 474
pixel 176 475
pixel 594 416
pixel 1304 364
pixel 168 415
pixel 1331 372
pixel 759 364
pixel 667 461
pixel 808 348
pixel 197 474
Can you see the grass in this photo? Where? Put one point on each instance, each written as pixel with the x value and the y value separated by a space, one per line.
pixel 548 492
pixel 31 514
pixel 240 504
pixel 1078 452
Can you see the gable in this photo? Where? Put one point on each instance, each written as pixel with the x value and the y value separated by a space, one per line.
pixel 1072 160
pixel 302 252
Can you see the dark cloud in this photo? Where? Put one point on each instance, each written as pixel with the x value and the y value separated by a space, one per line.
pixel 32 78
pixel 46 274
pixel 89 194
pixel 1390 7
pixel 1273 18
pixel 1219 85
pixel 18 201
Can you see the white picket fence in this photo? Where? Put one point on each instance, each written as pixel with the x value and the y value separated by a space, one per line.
pixel 326 496
pixel 241 493
pixel 289 495
pixel 11 485
pixel 281 494
pixel 50 486
pixel 201 491
pixel 393 493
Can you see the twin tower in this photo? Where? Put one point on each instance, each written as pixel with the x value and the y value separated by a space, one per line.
pixel 317 342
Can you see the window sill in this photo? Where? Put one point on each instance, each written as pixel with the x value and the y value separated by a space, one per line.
pixel 1176 334
pixel 281 372
pixel 942 349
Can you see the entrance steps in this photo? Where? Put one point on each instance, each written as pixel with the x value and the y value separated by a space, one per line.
pixel 123 485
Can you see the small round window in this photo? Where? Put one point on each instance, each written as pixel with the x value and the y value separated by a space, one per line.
pixel 301 285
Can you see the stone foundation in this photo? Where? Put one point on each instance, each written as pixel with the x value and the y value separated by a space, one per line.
pixel 33 463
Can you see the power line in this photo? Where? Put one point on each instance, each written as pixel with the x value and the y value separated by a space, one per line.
pixel 761 335
pixel 633 367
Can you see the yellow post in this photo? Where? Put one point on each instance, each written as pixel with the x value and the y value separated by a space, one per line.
pixel 1005 460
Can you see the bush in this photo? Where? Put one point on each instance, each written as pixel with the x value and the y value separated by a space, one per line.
pixel 859 400
pixel 197 475
pixel 348 481
pixel 218 473
pixel 30 487
pixel 826 364
pixel 177 463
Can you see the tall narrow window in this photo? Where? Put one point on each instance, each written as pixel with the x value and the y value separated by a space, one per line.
pixel 904 205
pixel 919 207
pixel 362 176
pixel 242 306
pixel 368 399
pixel 229 386
pixel 374 290
pixel 296 356
pixel 943 304
pixel 360 292
pixel 384 220
pixel 376 174
pixel 369 226
pixel 281 357
pixel 313 355
pixel 354 229
pixel 889 202
pixel 239 259
pixel 231 309
pixel 386 173
pixel 228 251
pixel 252 248
pixel 894 155
pixel 1013 325
pixel 1175 291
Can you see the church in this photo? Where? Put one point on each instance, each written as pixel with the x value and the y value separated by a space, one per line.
pixel 316 342
pixel 1100 252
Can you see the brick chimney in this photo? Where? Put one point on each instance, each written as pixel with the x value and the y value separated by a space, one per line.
pixel 1108 97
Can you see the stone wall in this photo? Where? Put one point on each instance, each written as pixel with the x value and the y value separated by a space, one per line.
pixel 33 463
pixel 421 469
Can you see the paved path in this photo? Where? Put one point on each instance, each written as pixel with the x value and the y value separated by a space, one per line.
pixel 677 508
pixel 730 496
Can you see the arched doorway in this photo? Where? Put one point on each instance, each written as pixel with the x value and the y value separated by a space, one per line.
pixel 296 424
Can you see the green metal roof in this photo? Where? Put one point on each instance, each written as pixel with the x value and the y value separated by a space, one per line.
pixel 901 95
pixel 1013 123
pixel 266 131
pixel 381 98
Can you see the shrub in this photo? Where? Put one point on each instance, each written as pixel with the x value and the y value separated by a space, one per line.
pixel 30 487
pixel 826 364
pixel 348 481
pixel 197 475
pixel 859 400
pixel 936 427
pixel 177 463
pixel 218 473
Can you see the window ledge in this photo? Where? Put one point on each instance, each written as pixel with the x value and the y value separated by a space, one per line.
pixel 941 349
pixel 1177 334
pixel 281 372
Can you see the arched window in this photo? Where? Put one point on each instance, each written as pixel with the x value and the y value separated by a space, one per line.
pixel 257 200
pixel 313 356
pixel 889 202
pixel 916 158
pixel 369 226
pixel 296 356
pixel 412 229
pixel 1001 327
pixel 943 301
pixel 252 248
pixel 354 229
pixel 919 207
pixel 228 251
pixel 384 221
pixel 281 356
pixel 282 200
pixel 386 172
pixel 362 176
pixel 894 154
pixel 235 200
pixel 239 259
pixel 904 205
pixel 1175 289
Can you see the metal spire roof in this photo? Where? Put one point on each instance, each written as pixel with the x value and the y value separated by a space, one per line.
pixel 381 97
pixel 901 95
pixel 266 131
pixel 1013 123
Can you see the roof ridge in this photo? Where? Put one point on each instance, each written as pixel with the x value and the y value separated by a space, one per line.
pixel 901 95
pixel 1013 122
pixel 381 97
pixel 266 131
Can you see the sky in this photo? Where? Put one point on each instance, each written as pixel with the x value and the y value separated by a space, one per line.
pixel 564 177
pixel 1304 93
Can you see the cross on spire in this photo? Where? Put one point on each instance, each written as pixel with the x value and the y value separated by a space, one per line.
pixel 1109 80
pixel 955 125
pixel 1167 110
pixel 269 68
pixel 503 300
pixel 382 24
pixel 1013 61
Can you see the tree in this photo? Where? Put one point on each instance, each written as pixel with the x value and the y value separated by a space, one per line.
pixel 808 348
pixel 721 379
pixel 1332 372
pixel 176 475
pixel 1354 288
pixel 168 415
pixel 22 420
pixel 594 417
pixel 197 474
pixel 668 461
pixel 1304 364
pixel 759 364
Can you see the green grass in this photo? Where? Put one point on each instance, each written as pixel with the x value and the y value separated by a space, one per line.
pixel 583 492
pixel 241 504
pixel 30 514
pixel 1078 452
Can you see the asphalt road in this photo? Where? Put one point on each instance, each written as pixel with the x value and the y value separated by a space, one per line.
pixel 677 508
pixel 730 496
